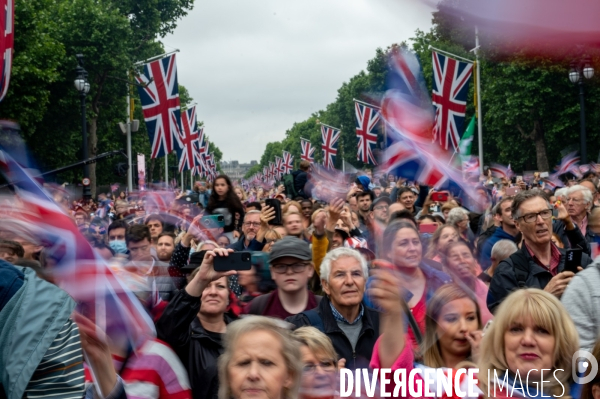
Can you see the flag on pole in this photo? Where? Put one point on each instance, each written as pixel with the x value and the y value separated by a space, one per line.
pixel 278 167
pixel 7 39
pixel 307 151
pixel 288 163
pixel 330 136
pixel 366 120
pixel 186 138
pixel 464 147
pixel 159 94
pixel 450 90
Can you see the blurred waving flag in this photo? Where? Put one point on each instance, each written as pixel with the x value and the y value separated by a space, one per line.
pixel 500 171
pixel 73 263
pixel 7 39
pixel 159 94
pixel 569 163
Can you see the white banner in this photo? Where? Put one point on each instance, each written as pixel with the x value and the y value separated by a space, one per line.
pixel 141 166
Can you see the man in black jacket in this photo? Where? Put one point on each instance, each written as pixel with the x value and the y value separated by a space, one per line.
pixel 539 263
pixel 300 179
pixel 352 326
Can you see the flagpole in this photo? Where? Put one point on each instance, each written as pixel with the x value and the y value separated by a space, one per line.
pixel 365 103
pixel 157 57
pixel 479 126
pixel 450 54
pixel 192 179
pixel 128 132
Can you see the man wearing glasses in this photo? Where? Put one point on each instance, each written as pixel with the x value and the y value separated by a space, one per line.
pixel 250 228
pixel 291 268
pixel 539 263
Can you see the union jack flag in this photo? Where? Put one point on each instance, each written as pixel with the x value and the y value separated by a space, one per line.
pixel 76 267
pixel 366 120
pixel 159 95
pixel 568 164
pixel 7 39
pixel 307 151
pixel 400 160
pixel 272 172
pixel 288 162
pixel 278 167
pixel 450 90
pixel 187 136
pixel 330 136
pixel 500 171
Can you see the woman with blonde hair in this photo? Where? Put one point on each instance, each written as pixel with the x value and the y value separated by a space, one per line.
pixel 320 363
pixel 531 331
pixel 241 193
pixel 452 328
pixel 261 360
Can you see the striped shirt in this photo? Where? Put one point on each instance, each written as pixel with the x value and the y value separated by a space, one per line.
pixel 60 373
pixel 153 372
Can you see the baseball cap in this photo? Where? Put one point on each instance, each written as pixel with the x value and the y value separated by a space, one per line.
pixel 290 246
pixel 380 199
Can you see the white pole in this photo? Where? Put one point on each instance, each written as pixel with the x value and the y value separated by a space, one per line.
pixel 129 171
pixel 191 179
pixel 479 121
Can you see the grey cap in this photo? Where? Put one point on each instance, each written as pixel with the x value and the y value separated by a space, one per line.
pixel 290 246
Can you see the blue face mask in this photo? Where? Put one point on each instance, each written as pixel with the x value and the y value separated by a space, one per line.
pixel 119 246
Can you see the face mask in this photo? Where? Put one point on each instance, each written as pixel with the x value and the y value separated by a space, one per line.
pixel 119 246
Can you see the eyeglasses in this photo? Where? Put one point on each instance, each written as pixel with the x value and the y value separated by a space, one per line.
pixel 532 217
pixel 281 268
pixel 327 366
pixel 381 208
pixel 252 224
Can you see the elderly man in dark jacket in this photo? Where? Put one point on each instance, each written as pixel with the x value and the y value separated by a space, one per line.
pixel 352 326
pixel 539 263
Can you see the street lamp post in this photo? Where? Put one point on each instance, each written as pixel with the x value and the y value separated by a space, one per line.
pixel 580 70
pixel 83 87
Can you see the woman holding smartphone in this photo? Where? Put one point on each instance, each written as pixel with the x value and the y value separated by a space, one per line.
pixel 224 201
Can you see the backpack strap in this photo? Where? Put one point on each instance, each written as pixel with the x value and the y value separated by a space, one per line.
pixel 314 319
pixel 520 265
pixel 259 304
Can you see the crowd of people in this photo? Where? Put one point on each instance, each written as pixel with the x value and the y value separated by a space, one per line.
pixel 391 274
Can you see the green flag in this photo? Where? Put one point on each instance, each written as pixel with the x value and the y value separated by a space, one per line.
pixel 467 139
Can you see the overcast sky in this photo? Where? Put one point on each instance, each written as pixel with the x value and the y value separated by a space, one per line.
pixel 257 66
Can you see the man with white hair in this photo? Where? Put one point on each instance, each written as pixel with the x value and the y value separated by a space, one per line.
pixel 352 326
pixel 579 202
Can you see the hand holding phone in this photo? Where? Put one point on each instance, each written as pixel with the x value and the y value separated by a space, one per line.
pixel 573 259
pixel 207 272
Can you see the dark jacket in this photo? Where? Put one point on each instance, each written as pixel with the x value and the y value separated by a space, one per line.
pixel 369 333
pixel 505 278
pixel 180 327
pixel 300 179
pixel 253 246
pixel 485 260
pixel 572 238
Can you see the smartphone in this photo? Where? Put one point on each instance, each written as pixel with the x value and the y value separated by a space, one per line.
pixel 573 259
pixel 428 228
pixel 544 174
pixel 275 204
pixel 212 221
pixel 512 191
pixel 439 196
pixel 234 261
pixel 519 178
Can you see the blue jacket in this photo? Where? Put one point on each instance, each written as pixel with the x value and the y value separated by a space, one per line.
pixel 30 320
pixel 485 260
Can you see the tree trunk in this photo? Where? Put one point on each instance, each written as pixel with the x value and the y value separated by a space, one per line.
pixel 92 152
pixel 537 135
pixel 540 146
